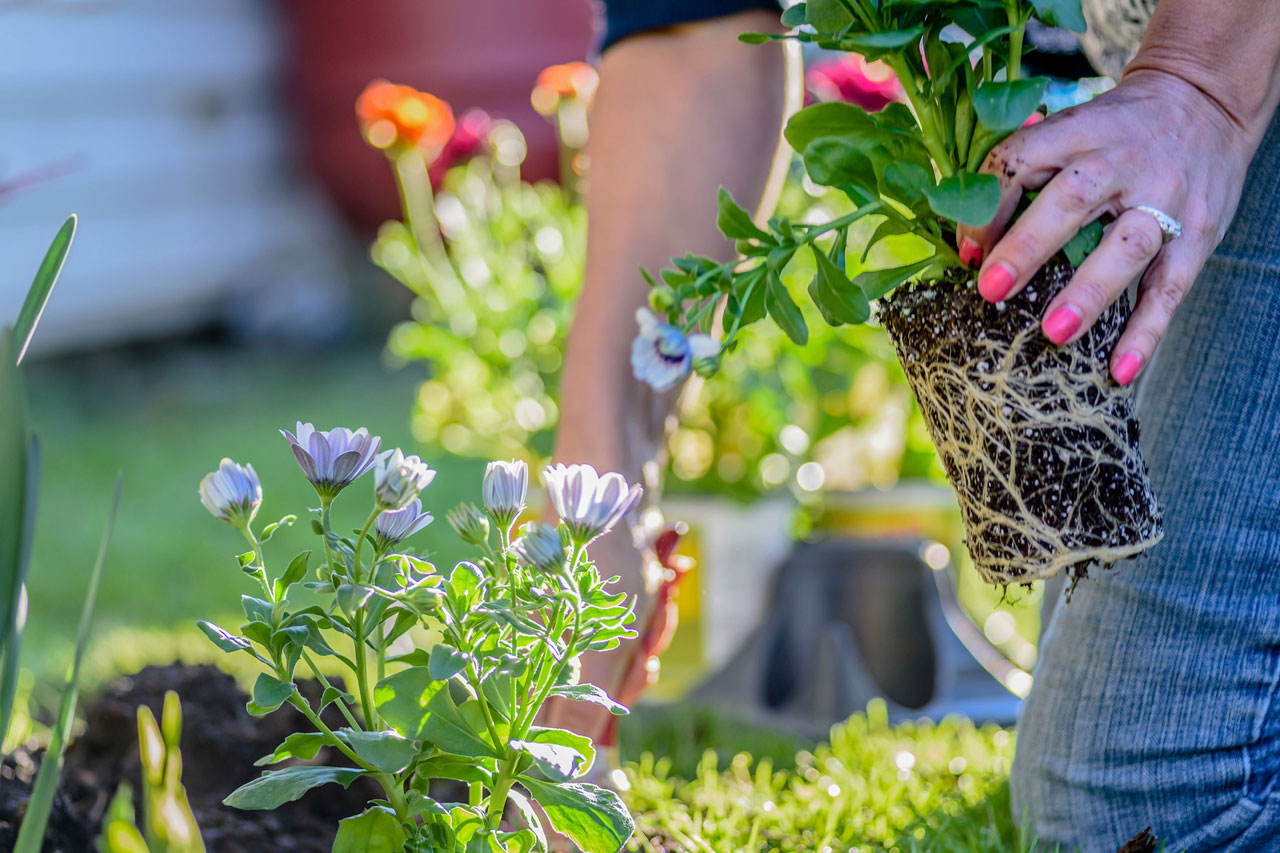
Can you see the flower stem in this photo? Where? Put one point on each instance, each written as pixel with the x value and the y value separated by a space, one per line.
pixel 342 706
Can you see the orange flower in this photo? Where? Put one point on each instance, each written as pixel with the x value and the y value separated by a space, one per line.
pixel 571 80
pixel 394 116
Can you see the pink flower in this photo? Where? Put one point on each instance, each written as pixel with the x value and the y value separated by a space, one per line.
pixel 850 78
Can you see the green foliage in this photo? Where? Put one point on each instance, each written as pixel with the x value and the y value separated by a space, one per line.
pixel 509 635
pixel 19 485
pixel 495 264
pixel 965 198
pixel 38 295
pixel 31 833
pixel 915 786
pixel 915 167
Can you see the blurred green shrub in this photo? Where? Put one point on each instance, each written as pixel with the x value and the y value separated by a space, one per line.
pixel 496 264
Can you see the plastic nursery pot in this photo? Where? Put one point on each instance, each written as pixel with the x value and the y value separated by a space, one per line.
pixel 1039 443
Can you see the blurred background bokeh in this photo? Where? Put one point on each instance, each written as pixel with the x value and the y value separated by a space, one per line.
pixel 252 253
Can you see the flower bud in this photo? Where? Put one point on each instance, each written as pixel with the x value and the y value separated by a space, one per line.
pixel 539 546
pixel 232 493
pixel 505 486
pixel 397 479
pixel 469 523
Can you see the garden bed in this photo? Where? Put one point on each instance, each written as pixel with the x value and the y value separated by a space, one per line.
pixel 220 742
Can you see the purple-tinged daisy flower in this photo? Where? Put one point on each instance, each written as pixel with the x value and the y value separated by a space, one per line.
pixel 332 459
pixel 396 525
pixel 662 355
pixel 232 493
pixel 397 478
pixel 539 546
pixel 505 486
pixel 589 504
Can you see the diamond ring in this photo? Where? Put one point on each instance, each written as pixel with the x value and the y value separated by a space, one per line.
pixel 1170 228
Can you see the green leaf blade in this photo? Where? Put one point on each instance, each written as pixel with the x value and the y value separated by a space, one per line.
pixel 1003 107
pixel 376 830
pixel 277 787
pixel 783 309
pixel 42 286
pixel 966 198
pixel 593 817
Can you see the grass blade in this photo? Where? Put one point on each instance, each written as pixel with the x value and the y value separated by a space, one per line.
pixel 42 286
pixel 31 834
pixel 19 478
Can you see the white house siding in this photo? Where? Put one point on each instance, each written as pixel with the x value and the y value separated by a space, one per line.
pixel 163 120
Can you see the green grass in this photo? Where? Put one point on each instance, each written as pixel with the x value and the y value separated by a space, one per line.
pixel 914 787
pixel 165 421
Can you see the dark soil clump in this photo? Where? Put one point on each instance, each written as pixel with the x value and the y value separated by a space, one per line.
pixel 1040 444
pixel 220 742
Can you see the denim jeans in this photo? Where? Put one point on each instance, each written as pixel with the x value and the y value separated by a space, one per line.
pixel 1155 699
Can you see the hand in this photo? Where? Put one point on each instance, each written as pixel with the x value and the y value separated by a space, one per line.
pixel 1153 140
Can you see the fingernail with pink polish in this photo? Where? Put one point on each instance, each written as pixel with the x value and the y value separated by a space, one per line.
pixel 970 253
pixel 1127 368
pixel 995 283
pixel 1061 324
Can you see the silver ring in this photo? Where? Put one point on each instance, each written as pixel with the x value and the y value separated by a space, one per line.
pixel 1170 228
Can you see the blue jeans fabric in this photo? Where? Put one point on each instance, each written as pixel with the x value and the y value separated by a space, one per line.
pixel 1155 700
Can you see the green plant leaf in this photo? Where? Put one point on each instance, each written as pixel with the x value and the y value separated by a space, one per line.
pixel 734 222
pixel 885 40
pixel 561 754
pixel 907 182
pixel 387 751
pixel 297 571
pixel 593 694
pixel 530 817
pixel 377 830
pixel 277 787
pixel 877 283
pixel 1003 107
pixel 594 818
pixel 887 228
pixel 827 16
pixel 31 834
pixel 1061 13
pixel 834 118
pixel 838 299
pixel 301 745
pixel 835 161
pixel 269 693
pixel 19 491
pixel 445 661
pixel 454 767
pixel 41 287
pixel 783 309
pixel 1084 242
pixel 224 639
pixel 275 526
pixel 966 198
pixel 794 16
pixel 420 707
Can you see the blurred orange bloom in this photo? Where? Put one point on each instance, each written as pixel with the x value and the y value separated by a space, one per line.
pixel 571 80
pixel 394 116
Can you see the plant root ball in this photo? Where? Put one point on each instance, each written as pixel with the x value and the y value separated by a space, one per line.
pixel 1039 443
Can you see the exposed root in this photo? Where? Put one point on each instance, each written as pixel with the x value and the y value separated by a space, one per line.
pixel 1038 442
